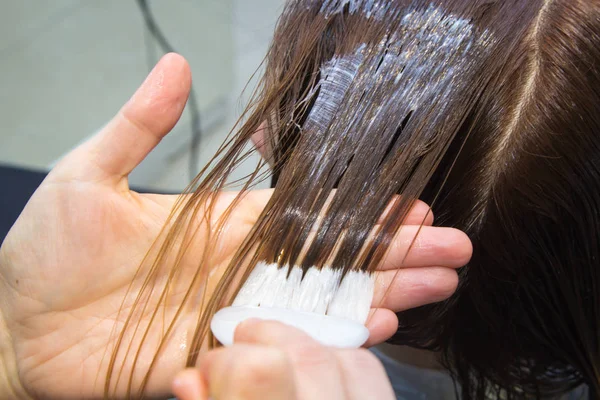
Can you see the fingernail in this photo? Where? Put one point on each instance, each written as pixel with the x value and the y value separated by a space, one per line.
pixel 187 385
pixel 248 322
pixel 242 326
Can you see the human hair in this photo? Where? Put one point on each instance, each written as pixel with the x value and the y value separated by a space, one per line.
pixel 489 111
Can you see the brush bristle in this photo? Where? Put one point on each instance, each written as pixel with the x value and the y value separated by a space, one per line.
pixel 322 291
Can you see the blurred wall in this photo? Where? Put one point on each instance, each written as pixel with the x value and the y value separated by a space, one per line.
pixel 66 66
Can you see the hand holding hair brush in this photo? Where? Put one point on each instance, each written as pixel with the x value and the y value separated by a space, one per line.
pixel 273 361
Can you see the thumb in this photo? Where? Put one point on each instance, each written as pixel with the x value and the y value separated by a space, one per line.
pixel 189 385
pixel 137 128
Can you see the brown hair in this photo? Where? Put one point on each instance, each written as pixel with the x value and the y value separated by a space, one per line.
pixel 486 109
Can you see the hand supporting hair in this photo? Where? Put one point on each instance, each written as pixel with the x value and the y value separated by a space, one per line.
pixel 69 266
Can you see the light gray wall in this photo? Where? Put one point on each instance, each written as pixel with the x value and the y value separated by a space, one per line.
pixel 66 66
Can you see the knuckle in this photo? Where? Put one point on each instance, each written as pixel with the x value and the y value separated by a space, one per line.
pixel 363 359
pixel 256 330
pixel 133 120
pixel 253 374
pixel 308 355
pixel 247 330
pixel 444 282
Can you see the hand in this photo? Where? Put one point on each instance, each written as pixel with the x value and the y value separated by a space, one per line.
pixel 67 263
pixel 272 361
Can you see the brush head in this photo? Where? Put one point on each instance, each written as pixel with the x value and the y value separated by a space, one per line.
pixel 328 308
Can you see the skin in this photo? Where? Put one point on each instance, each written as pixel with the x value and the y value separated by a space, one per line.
pixel 271 361
pixel 67 263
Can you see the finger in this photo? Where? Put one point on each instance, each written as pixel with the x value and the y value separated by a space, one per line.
pixel 270 333
pixel 189 385
pixel 138 127
pixel 252 203
pixel 248 208
pixel 146 118
pixel 403 289
pixel 419 214
pixel 416 246
pixel 358 374
pixel 259 139
pixel 318 375
pixel 256 200
pixel 248 372
pixel 364 375
pixel 382 324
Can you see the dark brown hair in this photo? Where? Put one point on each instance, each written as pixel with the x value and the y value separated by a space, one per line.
pixel 526 189
pixel 486 109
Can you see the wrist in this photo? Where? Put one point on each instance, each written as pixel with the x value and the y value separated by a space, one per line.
pixel 10 384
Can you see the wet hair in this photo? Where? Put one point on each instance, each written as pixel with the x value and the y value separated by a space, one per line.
pixel 489 111
pixel 525 318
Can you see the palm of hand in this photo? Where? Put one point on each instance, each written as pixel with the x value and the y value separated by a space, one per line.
pixel 66 299
pixel 67 263
pixel 66 296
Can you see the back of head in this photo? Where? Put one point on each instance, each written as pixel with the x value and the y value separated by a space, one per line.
pixel 493 117
pixel 526 188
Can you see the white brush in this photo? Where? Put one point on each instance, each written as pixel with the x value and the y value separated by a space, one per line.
pixel 330 311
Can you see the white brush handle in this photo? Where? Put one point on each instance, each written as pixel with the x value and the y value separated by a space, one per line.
pixel 328 330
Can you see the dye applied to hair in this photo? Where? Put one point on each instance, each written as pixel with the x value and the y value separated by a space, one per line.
pixel 369 129
pixel 342 114
pixel 365 100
